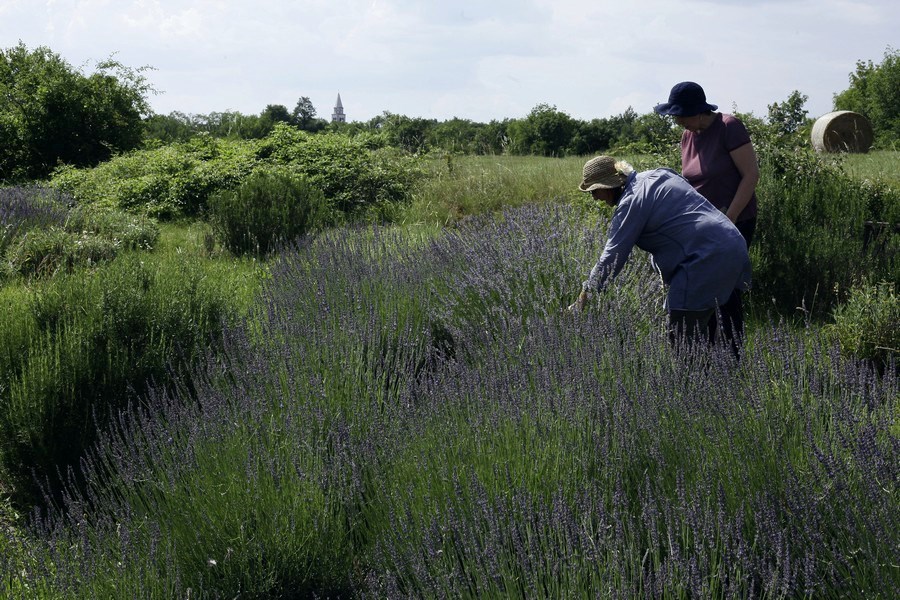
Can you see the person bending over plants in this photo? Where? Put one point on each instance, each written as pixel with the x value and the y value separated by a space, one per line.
pixel 697 250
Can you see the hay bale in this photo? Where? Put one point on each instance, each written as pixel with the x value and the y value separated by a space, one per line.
pixel 842 131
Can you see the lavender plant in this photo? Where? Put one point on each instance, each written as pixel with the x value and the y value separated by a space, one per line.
pixel 616 473
pixel 23 209
pixel 43 232
pixel 343 447
pixel 259 483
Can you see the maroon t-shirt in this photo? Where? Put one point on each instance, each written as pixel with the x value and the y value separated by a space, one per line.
pixel 706 162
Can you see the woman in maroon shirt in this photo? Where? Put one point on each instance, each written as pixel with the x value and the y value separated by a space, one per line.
pixel 718 160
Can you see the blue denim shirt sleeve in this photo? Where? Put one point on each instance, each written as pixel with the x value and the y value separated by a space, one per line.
pixel 625 227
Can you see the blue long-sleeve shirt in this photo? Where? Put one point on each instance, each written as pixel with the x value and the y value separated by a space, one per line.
pixel 700 254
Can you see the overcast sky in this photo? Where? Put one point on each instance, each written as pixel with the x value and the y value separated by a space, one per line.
pixel 473 59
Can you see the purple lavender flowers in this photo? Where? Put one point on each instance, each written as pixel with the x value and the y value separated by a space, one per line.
pixel 409 419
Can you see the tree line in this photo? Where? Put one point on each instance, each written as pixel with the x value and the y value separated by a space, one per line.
pixel 52 114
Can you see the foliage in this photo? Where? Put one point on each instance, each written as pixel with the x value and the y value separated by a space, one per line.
pixel 304 116
pixel 873 93
pixel 356 174
pixel 353 177
pixel 406 133
pixel 44 232
pixel 788 120
pixel 276 113
pixel 492 138
pixel 170 182
pixel 267 210
pixel 457 136
pixel 181 127
pixel 867 325
pixel 52 114
pixel 546 131
pixel 593 136
pixel 366 436
pixel 811 231
pixel 304 112
pixel 759 129
pixel 648 133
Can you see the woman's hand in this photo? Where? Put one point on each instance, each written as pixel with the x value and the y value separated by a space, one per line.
pixel 578 305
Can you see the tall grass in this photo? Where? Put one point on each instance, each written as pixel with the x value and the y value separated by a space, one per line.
pixel 77 348
pixel 879 165
pixel 461 186
pixel 367 435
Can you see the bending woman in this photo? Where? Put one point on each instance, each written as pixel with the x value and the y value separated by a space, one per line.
pixel 699 253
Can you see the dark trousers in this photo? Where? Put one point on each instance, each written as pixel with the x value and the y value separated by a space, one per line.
pixel 730 317
pixel 690 326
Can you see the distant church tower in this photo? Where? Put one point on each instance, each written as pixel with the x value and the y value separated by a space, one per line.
pixel 338 115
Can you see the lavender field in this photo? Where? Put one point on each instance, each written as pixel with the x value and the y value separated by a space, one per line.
pixel 418 417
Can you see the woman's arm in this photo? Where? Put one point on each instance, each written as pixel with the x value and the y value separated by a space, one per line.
pixel 744 159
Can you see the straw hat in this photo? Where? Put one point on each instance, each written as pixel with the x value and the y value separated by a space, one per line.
pixel 604 172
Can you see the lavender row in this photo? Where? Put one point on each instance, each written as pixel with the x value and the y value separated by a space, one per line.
pixel 414 418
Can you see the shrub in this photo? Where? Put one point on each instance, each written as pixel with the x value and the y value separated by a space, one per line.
pixel 867 325
pixel 353 177
pixel 89 342
pixel 811 232
pixel 167 183
pixel 177 180
pixel 269 208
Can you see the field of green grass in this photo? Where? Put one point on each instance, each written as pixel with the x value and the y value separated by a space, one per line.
pixel 878 165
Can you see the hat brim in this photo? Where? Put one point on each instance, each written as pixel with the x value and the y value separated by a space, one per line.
pixel 677 110
pixel 599 186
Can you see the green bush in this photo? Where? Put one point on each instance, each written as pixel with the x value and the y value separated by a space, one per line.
pixel 82 345
pixel 357 176
pixel 269 208
pixel 167 183
pixel 354 177
pixel 810 233
pixel 53 113
pixel 867 325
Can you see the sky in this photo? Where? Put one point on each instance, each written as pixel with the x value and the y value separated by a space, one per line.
pixel 481 60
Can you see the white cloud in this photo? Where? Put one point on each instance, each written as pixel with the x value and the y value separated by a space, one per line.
pixel 470 58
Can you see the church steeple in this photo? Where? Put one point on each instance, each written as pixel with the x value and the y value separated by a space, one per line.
pixel 338 115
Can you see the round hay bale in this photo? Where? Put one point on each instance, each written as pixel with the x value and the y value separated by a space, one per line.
pixel 842 131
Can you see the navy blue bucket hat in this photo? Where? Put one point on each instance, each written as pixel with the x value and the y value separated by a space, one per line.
pixel 685 100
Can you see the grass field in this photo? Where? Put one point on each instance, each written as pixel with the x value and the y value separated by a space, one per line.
pixel 879 165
